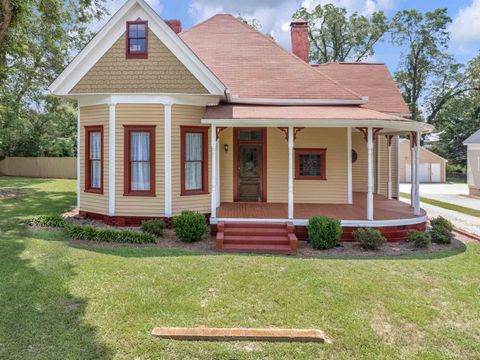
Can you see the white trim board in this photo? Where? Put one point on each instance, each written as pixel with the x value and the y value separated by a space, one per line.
pixel 114 29
pixel 179 99
pixel 344 223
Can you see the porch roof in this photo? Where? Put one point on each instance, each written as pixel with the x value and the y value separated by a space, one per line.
pixel 332 116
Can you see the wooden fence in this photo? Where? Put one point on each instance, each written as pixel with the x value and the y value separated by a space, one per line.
pixel 40 167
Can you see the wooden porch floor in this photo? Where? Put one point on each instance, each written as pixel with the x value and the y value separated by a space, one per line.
pixel 384 209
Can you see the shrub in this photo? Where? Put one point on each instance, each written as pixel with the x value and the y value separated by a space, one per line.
pixel 419 239
pixel 369 239
pixel 441 232
pixel 154 227
pixel 189 226
pixel 441 221
pixel 323 232
pixel 79 232
pixel 48 220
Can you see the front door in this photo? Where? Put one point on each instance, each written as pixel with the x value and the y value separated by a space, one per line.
pixel 250 164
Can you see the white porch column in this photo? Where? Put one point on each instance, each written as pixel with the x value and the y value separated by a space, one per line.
pixel 111 158
pixel 379 182
pixel 167 153
pixel 78 158
pixel 397 161
pixel 290 171
pixel 370 174
pixel 412 170
pixel 349 160
pixel 416 210
pixel 389 183
pixel 218 173
pixel 213 143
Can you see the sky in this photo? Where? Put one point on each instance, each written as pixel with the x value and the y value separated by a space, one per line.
pixel 275 17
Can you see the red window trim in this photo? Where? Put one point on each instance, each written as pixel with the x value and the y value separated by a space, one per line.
pixel 127 165
pixel 204 131
pixel 323 164
pixel 136 55
pixel 88 165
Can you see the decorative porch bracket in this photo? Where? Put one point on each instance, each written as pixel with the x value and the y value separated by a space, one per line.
pixel 295 132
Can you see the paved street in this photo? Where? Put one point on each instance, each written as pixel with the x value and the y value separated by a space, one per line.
pixel 451 193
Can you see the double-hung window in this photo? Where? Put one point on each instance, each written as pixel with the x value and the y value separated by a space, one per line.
pixel 194 166
pixel 94 159
pixel 140 160
pixel 137 40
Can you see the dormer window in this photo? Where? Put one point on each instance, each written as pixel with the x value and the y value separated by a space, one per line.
pixel 137 40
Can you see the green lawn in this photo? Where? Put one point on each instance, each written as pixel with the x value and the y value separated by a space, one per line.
pixel 445 205
pixel 60 301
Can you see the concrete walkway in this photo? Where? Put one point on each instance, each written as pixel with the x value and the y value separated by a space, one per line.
pixel 451 193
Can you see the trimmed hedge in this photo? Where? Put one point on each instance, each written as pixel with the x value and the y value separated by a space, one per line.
pixel 369 239
pixel 154 227
pixel 419 239
pixel 324 232
pixel 79 232
pixel 48 220
pixel 189 226
pixel 441 221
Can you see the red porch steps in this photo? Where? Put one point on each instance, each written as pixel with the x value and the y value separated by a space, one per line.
pixel 261 238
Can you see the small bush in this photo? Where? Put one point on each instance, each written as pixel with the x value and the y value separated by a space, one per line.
pixel 441 221
pixel 419 239
pixel 369 239
pixel 79 232
pixel 323 232
pixel 48 220
pixel 189 226
pixel 441 232
pixel 154 227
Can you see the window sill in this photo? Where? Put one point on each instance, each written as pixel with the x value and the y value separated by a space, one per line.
pixel 188 193
pixel 140 193
pixel 137 56
pixel 311 178
pixel 94 191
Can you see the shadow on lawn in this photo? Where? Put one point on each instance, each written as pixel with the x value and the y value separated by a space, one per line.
pixel 39 318
pixel 6 182
pixel 147 251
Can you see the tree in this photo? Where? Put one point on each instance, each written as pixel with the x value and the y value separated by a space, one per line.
pixel 425 37
pixel 334 36
pixel 37 40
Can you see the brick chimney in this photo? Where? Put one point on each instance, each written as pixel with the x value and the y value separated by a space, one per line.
pixel 175 25
pixel 299 34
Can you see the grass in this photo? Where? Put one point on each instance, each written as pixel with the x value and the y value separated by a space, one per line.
pixel 445 205
pixel 65 301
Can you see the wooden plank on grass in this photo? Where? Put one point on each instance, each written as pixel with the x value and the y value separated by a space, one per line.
pixel 242 334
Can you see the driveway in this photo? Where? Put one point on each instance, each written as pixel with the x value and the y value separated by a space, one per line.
pixel 451 193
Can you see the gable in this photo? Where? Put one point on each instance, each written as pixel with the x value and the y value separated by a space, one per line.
pixel 109 39
pixel 162 72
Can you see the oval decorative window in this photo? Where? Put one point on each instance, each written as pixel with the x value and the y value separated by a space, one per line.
pixel 354 156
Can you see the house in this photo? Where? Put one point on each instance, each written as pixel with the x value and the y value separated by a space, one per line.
pixel 473 163
pixel 222 120
pixel 432 169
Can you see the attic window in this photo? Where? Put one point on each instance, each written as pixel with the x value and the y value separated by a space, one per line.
pixel 137 40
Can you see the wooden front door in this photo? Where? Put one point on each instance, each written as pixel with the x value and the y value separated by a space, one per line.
pixel 250 164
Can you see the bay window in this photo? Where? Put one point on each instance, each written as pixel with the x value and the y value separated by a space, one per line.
pixel 94 159
pixel 194 165
pixel 140 160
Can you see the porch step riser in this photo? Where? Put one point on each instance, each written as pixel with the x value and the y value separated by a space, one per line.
pixel 262 238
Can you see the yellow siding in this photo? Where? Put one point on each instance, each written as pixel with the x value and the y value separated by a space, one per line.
pixel 334 190
pixel 187 116
pixel 359 167
pixel 139 114
pixel 89 116
pixel 226 165
pixel 161 72
pixel 277 166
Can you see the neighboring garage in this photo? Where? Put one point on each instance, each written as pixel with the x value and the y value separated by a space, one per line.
pixel 432 166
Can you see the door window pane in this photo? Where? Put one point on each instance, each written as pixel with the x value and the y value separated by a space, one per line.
pixel 250 135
